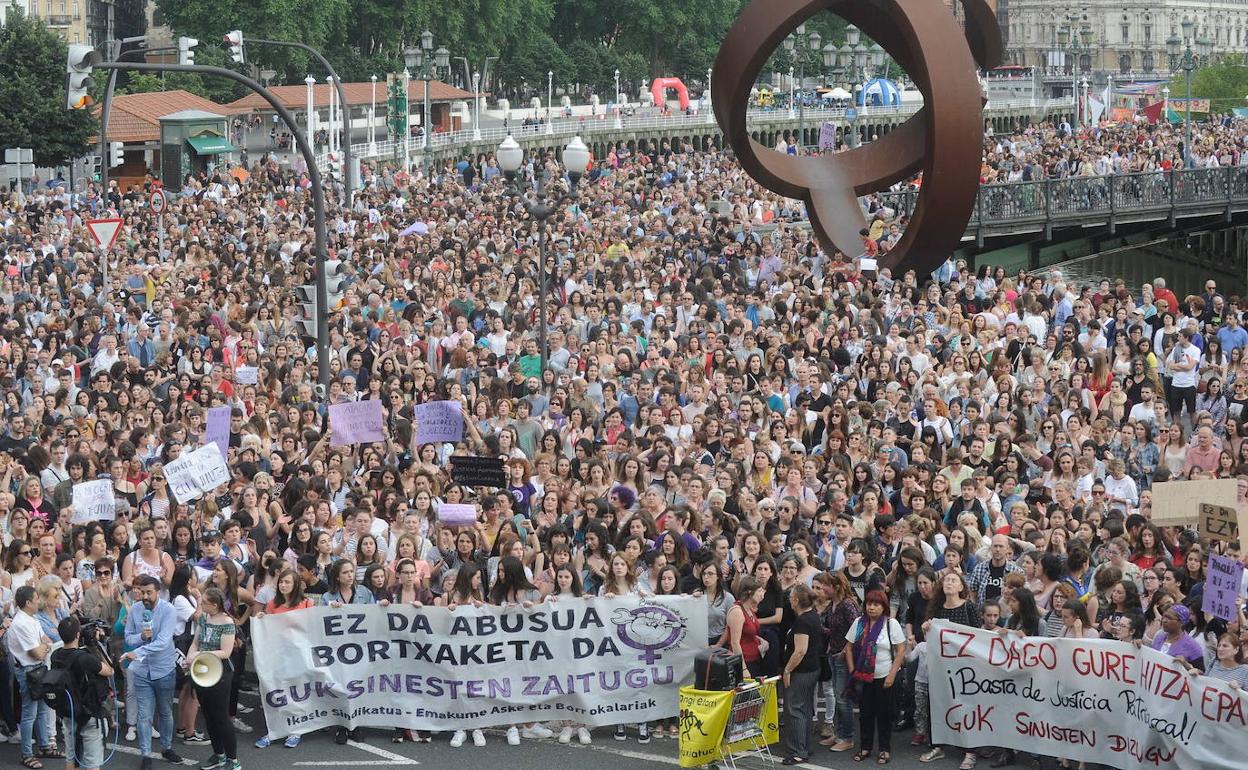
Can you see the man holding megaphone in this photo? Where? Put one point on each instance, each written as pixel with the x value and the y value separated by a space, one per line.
pixel 208 660
pixel 150 625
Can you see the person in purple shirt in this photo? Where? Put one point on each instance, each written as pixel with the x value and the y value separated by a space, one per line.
pixel 1174 641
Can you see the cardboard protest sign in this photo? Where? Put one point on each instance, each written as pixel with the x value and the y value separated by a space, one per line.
pixel 1222 583
pixel 217 429
pixel 356 422
pixel 457 515
pixel 94 501
pixel 1217 522
pixel 1177 503
pixel 439 421
pixel 473 471
pixel 197 473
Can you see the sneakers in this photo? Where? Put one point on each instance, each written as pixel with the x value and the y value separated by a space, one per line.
pixel 146 762
pixel 478 738
pixel 582 735
pixel 933 755
pixel 643 732
pixel 240 725
pixel 15 737
pixel 245 709
pixel 215 762
pixel 918 740
pixel 132 733
pixel 171 756
pixel 263 742
pixel 154 733
pixel 233 764
pixel 292 741
pixel 565 735
pixel 195 739
pixel 620 735
pixel 538 732
pixel 340 736
pixel 513 736
pixel 458 739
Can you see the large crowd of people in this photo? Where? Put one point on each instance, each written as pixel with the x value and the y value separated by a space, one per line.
pixel 831 459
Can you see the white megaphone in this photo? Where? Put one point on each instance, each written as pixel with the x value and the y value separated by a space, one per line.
pixel 206 669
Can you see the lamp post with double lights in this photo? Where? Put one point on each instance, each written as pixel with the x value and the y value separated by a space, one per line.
pixel 1183 57
pixel 1075 41
pixel 576 160
pixel 803 47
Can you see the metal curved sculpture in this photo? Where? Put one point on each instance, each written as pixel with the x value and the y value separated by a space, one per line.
pixel 943 140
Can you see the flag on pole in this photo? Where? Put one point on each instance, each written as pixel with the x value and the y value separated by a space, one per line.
pixel 1153 111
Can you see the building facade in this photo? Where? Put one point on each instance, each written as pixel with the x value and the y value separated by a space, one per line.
pixel 90 22
pixel 1124 37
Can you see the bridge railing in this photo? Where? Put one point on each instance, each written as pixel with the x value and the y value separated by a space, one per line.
pixel 1069 200
pixel 566 128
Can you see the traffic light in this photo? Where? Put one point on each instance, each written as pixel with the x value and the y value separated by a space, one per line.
pixel 116 154
pixel 186 50
pixel 234 40
pixel 335 276
pixel 78 66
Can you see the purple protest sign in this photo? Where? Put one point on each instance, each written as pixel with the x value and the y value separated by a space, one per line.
pixel 827 136
pixel 217 429
pixel 457 515
pixel 1222 582
pixel 439 421
pixel 356 422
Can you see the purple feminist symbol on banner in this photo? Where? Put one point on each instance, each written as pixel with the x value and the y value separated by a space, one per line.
pixel 649 628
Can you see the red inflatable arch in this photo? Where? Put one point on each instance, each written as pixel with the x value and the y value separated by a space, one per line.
pixel 659 87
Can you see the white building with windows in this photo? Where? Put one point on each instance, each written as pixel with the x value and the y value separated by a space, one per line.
pixel 1126 36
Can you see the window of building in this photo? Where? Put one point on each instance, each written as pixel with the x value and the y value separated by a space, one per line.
pixel 1126 30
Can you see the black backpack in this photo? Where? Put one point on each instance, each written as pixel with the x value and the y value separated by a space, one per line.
pixel 67 688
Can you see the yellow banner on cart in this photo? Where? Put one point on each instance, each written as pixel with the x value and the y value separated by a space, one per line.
pixel 714 722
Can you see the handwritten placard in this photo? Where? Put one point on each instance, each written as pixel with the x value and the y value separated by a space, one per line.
pixel 247 375
pixel 94 501
pixel 1217 522
pixel 217 429
pixel 457 514
pixel 1222 587
pixel 197 473
pixel 438 421
pixel 827 136
pixel 356 422
pixel 1177 503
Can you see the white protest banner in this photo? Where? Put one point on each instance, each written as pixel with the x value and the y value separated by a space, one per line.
pixel 94 501
pixel 457 514
pixel 438 421
pixel 356 422
pixel 592 661
pixel 194 474
pixel 247 375
pixel 217 429
pixel 1088 700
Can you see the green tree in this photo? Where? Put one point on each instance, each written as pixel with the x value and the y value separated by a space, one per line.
pixel 220 90
pixel 1224 84
pixel 32 90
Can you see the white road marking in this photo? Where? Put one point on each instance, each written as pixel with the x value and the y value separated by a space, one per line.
pixel 398 759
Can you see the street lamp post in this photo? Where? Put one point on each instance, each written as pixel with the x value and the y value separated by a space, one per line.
pixel 476 101
pixel 796 45
pixel 311 121
pixel 550 97
pixel 619 123
pixel 407 111
pixel 372 117
pixel 1183 57
pixel 576 160
pixel 792 94
pixel 332 145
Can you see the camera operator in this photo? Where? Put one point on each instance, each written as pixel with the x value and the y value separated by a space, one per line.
pixel 88 674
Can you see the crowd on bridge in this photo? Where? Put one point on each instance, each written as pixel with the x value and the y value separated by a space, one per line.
pixel 832 459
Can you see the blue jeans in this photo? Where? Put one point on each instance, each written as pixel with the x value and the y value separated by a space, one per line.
pixel 36 716
pixel 844 708
pixel 155 698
